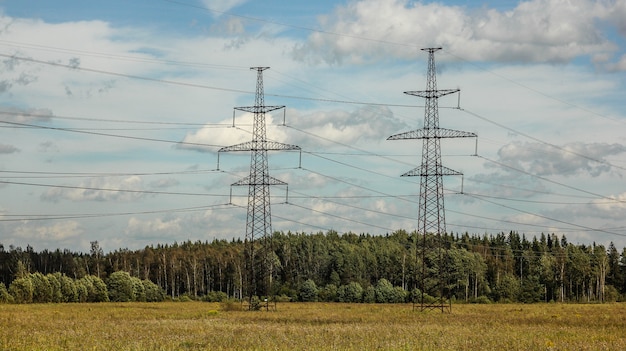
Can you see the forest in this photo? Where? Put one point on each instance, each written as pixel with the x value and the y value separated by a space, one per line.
pixel 505 267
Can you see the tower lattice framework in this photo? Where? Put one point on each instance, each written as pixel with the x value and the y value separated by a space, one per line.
pixel 258 239
pixel 431 212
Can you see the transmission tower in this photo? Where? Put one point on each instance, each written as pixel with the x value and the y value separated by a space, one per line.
pixel 258 241
pixel 431 213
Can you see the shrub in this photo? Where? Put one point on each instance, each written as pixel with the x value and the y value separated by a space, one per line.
pixel 95 289
pixel 369 294
pixel 154 293
pixel 5 297
pixel 42 290
pixel 215 296
pixel 351 292
pixel 120 287
pixel 384 291
pixel 328 293
pixel 308 291
pixel 22 290
pixel 139 290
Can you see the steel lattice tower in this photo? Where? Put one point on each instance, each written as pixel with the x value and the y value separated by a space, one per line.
pixel 431 212
pixel 259 218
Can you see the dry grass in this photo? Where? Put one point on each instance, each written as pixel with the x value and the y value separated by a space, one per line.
pixel 311 326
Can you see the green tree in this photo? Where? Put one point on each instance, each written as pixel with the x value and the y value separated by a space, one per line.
pixel 22 290
pixel 5 297
pixel 94 288
pixel 120 287
pixel 139 290
pixel 351 292
pixel 308 291
pixel 42 290
pixel 154 293
pixel 328 293
pixel 384 291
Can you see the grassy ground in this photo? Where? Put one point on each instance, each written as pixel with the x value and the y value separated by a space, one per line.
pixel 311 326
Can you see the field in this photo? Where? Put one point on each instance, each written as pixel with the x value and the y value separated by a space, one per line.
pixel 311 326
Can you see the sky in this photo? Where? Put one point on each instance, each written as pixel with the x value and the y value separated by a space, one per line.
pixel 112 114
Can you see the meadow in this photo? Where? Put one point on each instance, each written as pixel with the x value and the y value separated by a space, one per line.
pixel 311 326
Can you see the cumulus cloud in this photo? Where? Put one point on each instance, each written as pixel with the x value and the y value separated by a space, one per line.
pixel 534 31
pixel 99 189
pixel 571 159
pixel 369 123
pixel 220 6
pixel 211 135
pixel 8 149
pixel 138 227
pixel 18 115
pixel 59 231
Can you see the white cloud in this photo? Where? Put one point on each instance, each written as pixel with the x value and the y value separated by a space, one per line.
pixel 99 189
pixel 534 31
pixel 220 6
pixel 138 228
pixel 570 159
pixel 8 149
pixel 60 231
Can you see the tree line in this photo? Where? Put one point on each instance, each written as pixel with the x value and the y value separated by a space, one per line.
pixel 503 267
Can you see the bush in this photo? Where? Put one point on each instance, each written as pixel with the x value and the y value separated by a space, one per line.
pixel 94 288
pixel 328 293
pixel 215 296
pixel 120 287
pixel 351 292
pixel 5 297
pixel 384 291
pixel 481 300
pixel 42 291
pixel 139 290
pixel 369 294
pixel 21 289
pixel 399 295
pixel 154 293
pixel 308 291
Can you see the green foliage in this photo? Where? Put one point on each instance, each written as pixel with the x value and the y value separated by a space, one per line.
pixel 67 286
pixel 120 287
pixel 351 292
pixel 153 292
pixel 93 288
pixel 384 291
pixel 308 291
pixel 22 290
pixel 42 290
pixel 139 290
pixel 5 297
pixel 369 294
pixel 328 293
pixel 215 296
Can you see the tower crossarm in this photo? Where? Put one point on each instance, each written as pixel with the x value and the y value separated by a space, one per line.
pixel 269 180
pixel 256 145
pixel 432 133
pixel 424 171
pixel 431 94
pixel 258 109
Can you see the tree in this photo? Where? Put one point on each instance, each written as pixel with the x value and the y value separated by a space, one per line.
pixel 22 290
pixel 351 292
pixel 5 297
pixel 93 288
pixel 384 291
pixel 120 287
pixel 153 292
pixel 139 290
pixel 308 291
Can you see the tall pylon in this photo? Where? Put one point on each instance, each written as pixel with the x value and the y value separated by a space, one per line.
pixel 431 213
pixel 258 240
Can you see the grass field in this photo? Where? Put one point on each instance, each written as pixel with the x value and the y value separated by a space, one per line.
pixel 311 326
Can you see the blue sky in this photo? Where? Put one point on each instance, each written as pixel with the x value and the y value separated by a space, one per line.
pixel 111 115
